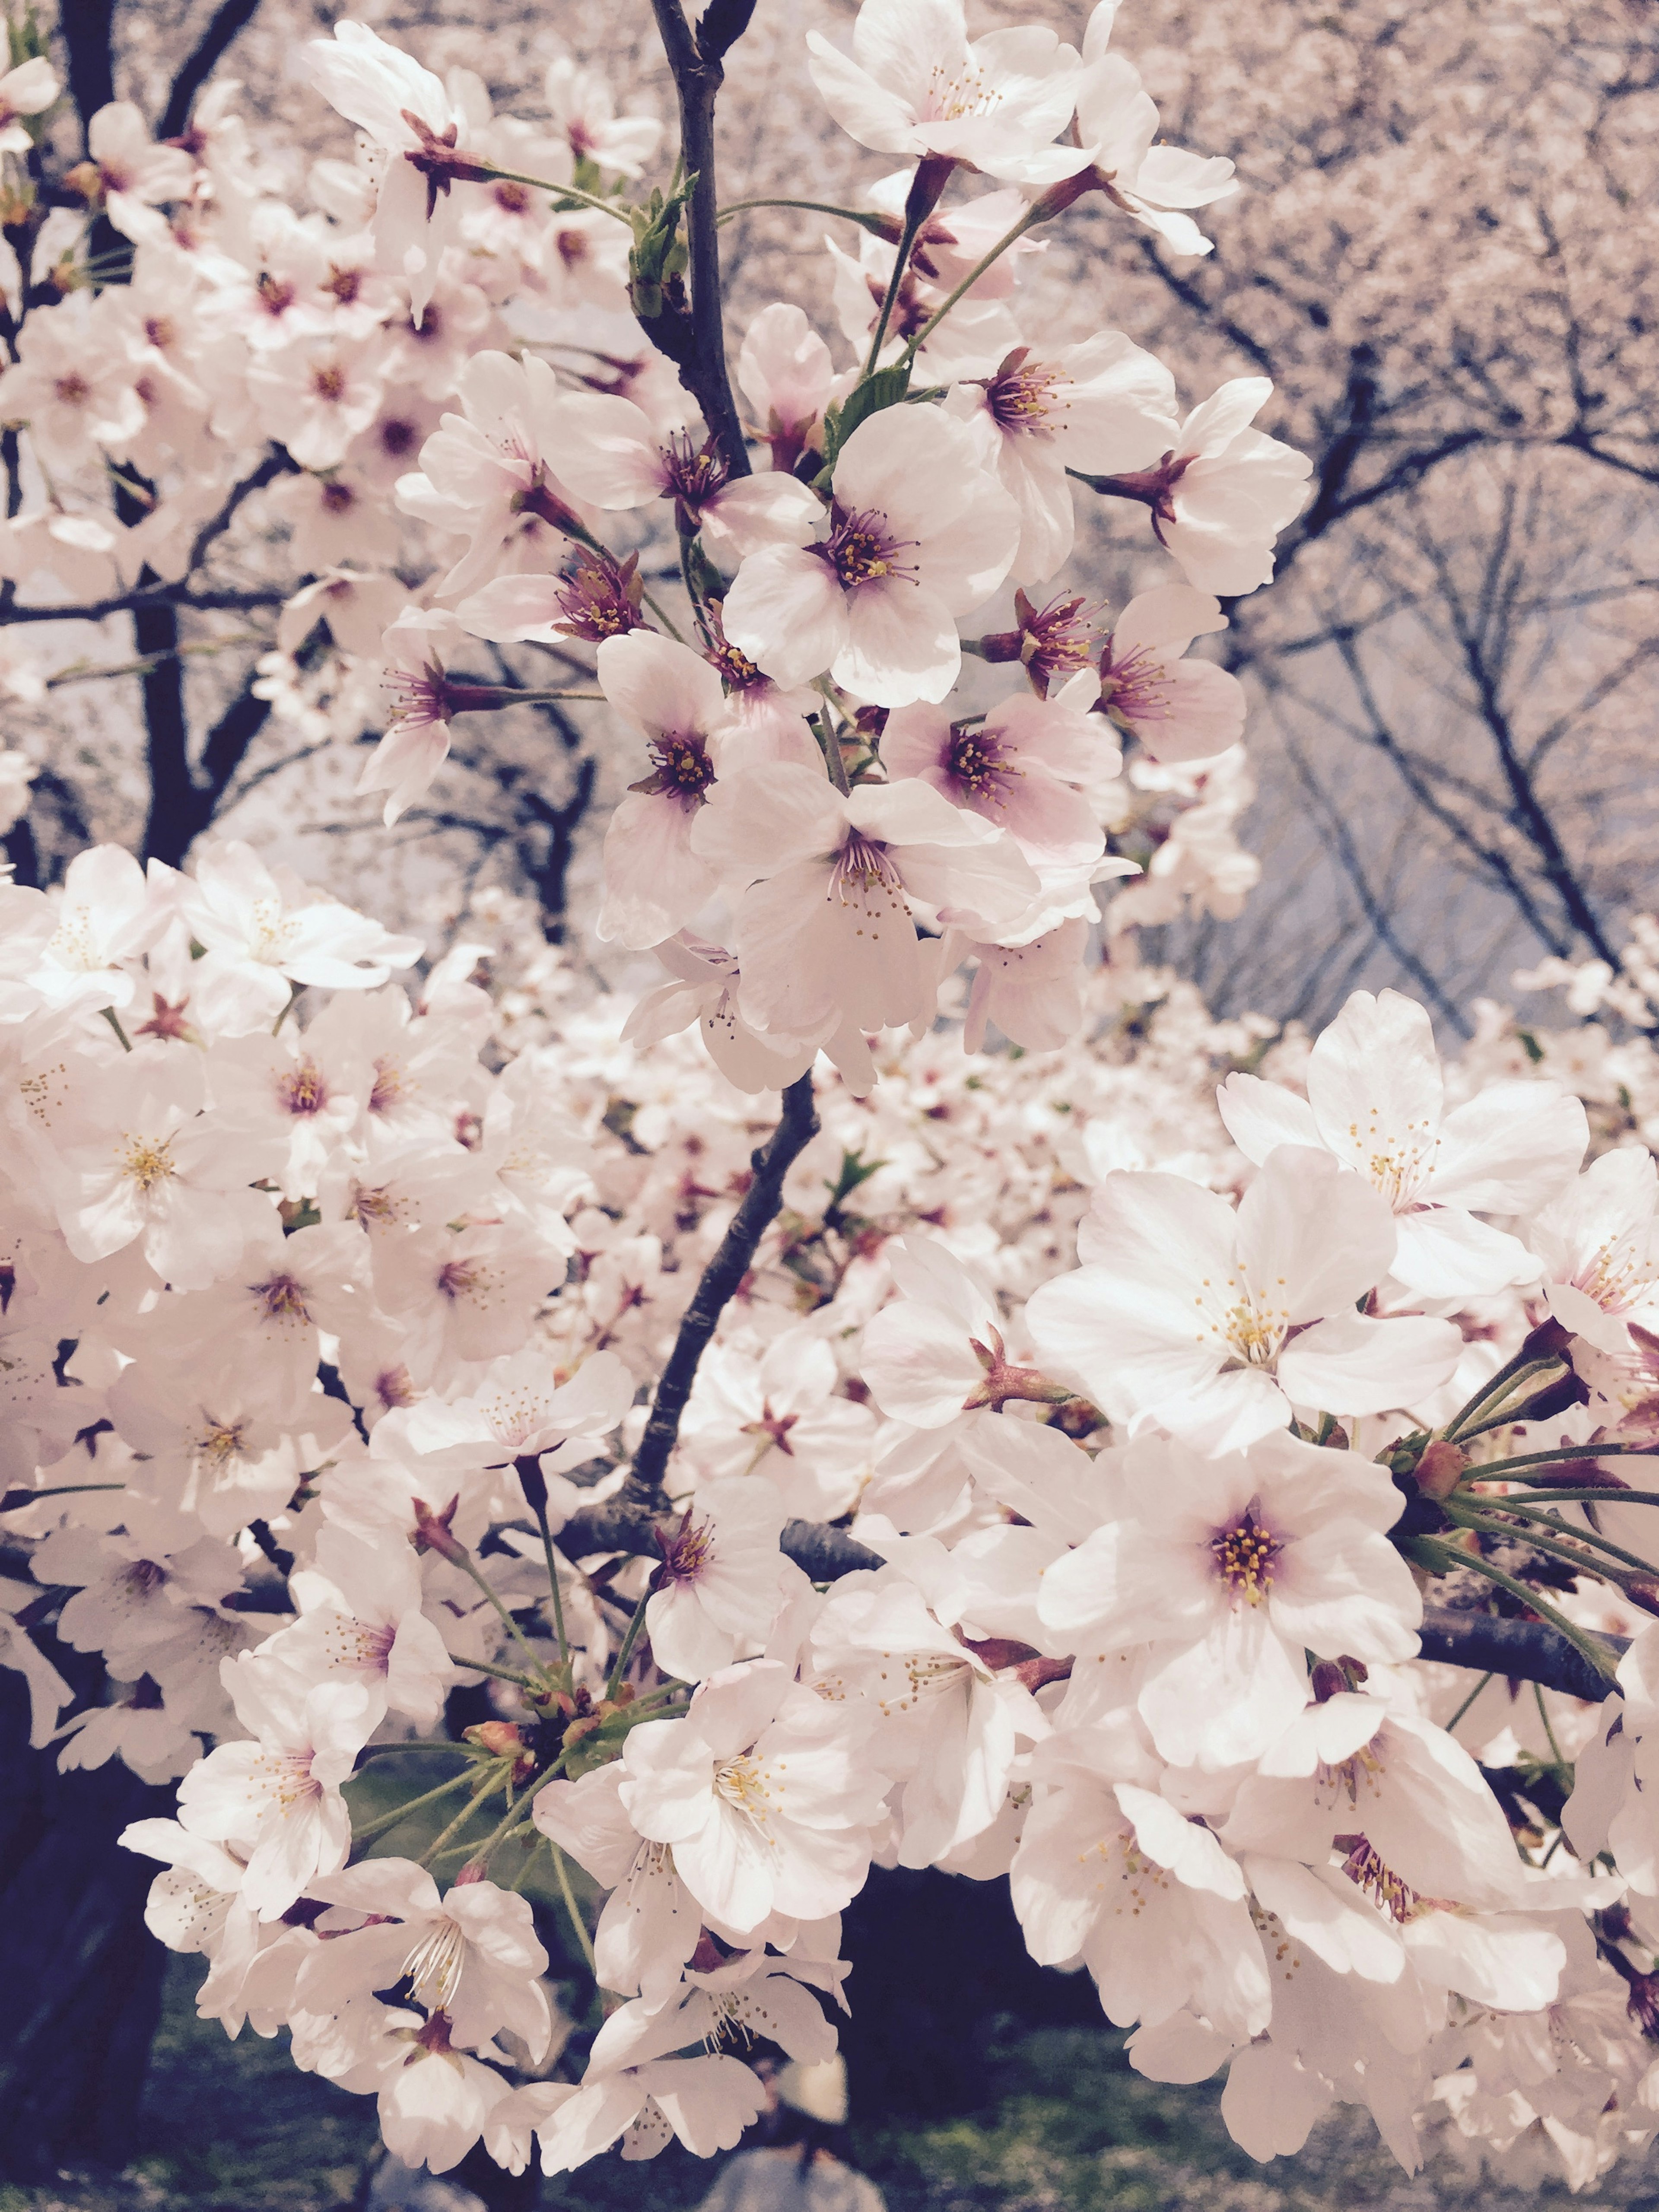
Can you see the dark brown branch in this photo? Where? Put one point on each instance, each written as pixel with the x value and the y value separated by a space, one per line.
pixel 825 1554
pixel 151 595
pixel 797 1127
pixel 230 19
pixel 1525 1651
pixel 696 61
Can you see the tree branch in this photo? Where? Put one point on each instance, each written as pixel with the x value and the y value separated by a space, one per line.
pixel 1525 1650
pixel 231 17
pixel 696 61
pixel 797 1125
pixel 824 1552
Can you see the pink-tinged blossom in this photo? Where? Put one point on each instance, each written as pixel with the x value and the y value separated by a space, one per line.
pixel 1231 1569
pixel 1016 766
pixel 360 1619
pixel 723 1581
pixel 613 453
pixel 1117 120
pixel 916 87
pixel 137 1160
pixel 765 1794
pixel 1376 1102
pixel 1178 709
pixel 278 1795
pixel 1101 406
pixel 825 927
pixel 920 532
pixel 580 103
pixel 135 174
pixel 1599 1246
pixel 405 110
pixel 487 469
pixel 1222 492
pixel 655 880
pixel 706 991
pixel 706 2102
pixel 782 1419
pixel 471 1954
pixel 1216 1322
pixel 416 741
pixel 787 376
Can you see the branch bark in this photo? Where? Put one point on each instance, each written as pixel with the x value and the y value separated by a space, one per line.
pixel 1528 1650
pixel 696 59
pixel 229 20
pixel 797 1127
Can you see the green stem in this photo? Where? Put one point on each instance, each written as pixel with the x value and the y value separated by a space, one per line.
pixel 1573 1497
pixel 628 1642
pixel 900 262
pixel 1563 1767
pixel 1009 237
pixel 551 1558
pixel 514 1816
pixel 501 1673
pixel 114 1021
pixel 468 1566
pixel 664 617
pixel 1491 1470
pixel 460 1822
pixel 1497 1391
pixel 1441 1559
pixel 875 224
pixel 1490 1526
pixel 565 1891
pixel 374 1828
pixel 1466 1703
pixel 561 192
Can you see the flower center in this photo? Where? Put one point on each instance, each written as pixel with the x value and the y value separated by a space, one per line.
pixel 745 1785
pixel 329 381
pixel 1369 1872
pixel 218 1444
pixel 684 770
pixel 1246 1556
pixel 304 1090
pixel 1615 1277
pixel 691 1553
pixel 1243 1319
pixel 861 551
pixel 73 389
pixel 434 1966
pixel 1022 397
pixel 951 96
pixel 692 476
pixel 148 1161
pixel 975 762
pixel 283 1299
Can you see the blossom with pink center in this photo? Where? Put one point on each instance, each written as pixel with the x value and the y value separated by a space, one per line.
pixel 916 87
pixel 279 1796
pixel 613 453
pixel 405 110
pixel 1016 766
pixel 416 741
pixel 1179 709
pixel 580 102
pixel 1033 992
pixel 486 469
pixel 706 990
pixel 1222 492
pixel 1600 1246
pixel 823 925
pixel 723 1581
pixel 655 882
pixel 920 532
pixel 1104 405
pixel 1117 120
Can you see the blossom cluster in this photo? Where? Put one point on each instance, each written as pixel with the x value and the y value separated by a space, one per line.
pixel 1033 1466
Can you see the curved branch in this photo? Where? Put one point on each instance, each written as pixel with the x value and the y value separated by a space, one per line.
pixel 797 1127
pixel 1525 1650
pixel 231 18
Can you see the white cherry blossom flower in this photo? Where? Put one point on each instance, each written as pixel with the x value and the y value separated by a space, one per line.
pixel 1216 1322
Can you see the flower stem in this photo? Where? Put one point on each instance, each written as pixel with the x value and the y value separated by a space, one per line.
pixel 469 1566
pixel 501 1673
pixel 1467 1702
pixel 1009 237
pixel 628 1642
pixel 1489 1526
pixel 565 1891
pixel 878 224
pixel 379 1828
pixel 560 192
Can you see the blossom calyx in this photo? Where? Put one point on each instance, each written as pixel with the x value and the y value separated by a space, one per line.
pixel 1003 1381
pixel 432 1531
